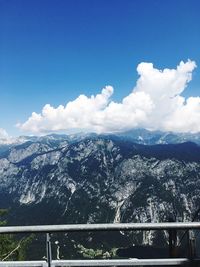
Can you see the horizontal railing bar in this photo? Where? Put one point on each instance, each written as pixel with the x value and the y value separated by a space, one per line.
pixel 99 227
pixel 111 262
pixel 116 262
pixel 23 263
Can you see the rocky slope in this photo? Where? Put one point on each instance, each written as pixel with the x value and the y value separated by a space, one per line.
pixel 99 179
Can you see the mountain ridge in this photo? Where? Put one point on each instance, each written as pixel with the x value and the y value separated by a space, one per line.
pixel 100 179
pixel 141 136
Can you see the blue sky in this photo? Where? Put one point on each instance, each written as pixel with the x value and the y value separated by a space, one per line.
pixel 53 51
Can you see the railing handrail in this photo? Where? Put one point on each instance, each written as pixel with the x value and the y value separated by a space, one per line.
pixel 111 262
pixel 170 226
pixel 98 227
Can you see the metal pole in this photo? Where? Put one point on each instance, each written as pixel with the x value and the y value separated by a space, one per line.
pixel 172 243
pixel 49 255
pixel 191 248
pixel 99 227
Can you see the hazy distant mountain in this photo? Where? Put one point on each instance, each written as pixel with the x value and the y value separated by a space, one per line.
pixel 139 136
pixel 142 136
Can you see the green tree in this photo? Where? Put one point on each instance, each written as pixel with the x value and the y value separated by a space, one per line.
pixel 10 247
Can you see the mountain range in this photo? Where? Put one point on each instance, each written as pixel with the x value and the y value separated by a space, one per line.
pixel 137 176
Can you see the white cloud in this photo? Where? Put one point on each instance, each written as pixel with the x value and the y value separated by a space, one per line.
pixel 154 103
pixel 5 139
pixel 3 134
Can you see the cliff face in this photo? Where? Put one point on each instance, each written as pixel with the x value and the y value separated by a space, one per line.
pixel 99 179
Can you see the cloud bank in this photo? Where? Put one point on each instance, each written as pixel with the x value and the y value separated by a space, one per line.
pixel 3 134
pixel 155 103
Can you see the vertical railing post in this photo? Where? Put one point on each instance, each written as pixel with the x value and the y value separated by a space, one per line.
pixel 172 243
pixel 48 244
pixel 191 247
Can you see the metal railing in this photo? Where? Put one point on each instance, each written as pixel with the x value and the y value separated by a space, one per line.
pixel 189 260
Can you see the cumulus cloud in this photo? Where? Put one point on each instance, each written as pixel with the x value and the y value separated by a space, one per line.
pixel 155 103
pixel 3 134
